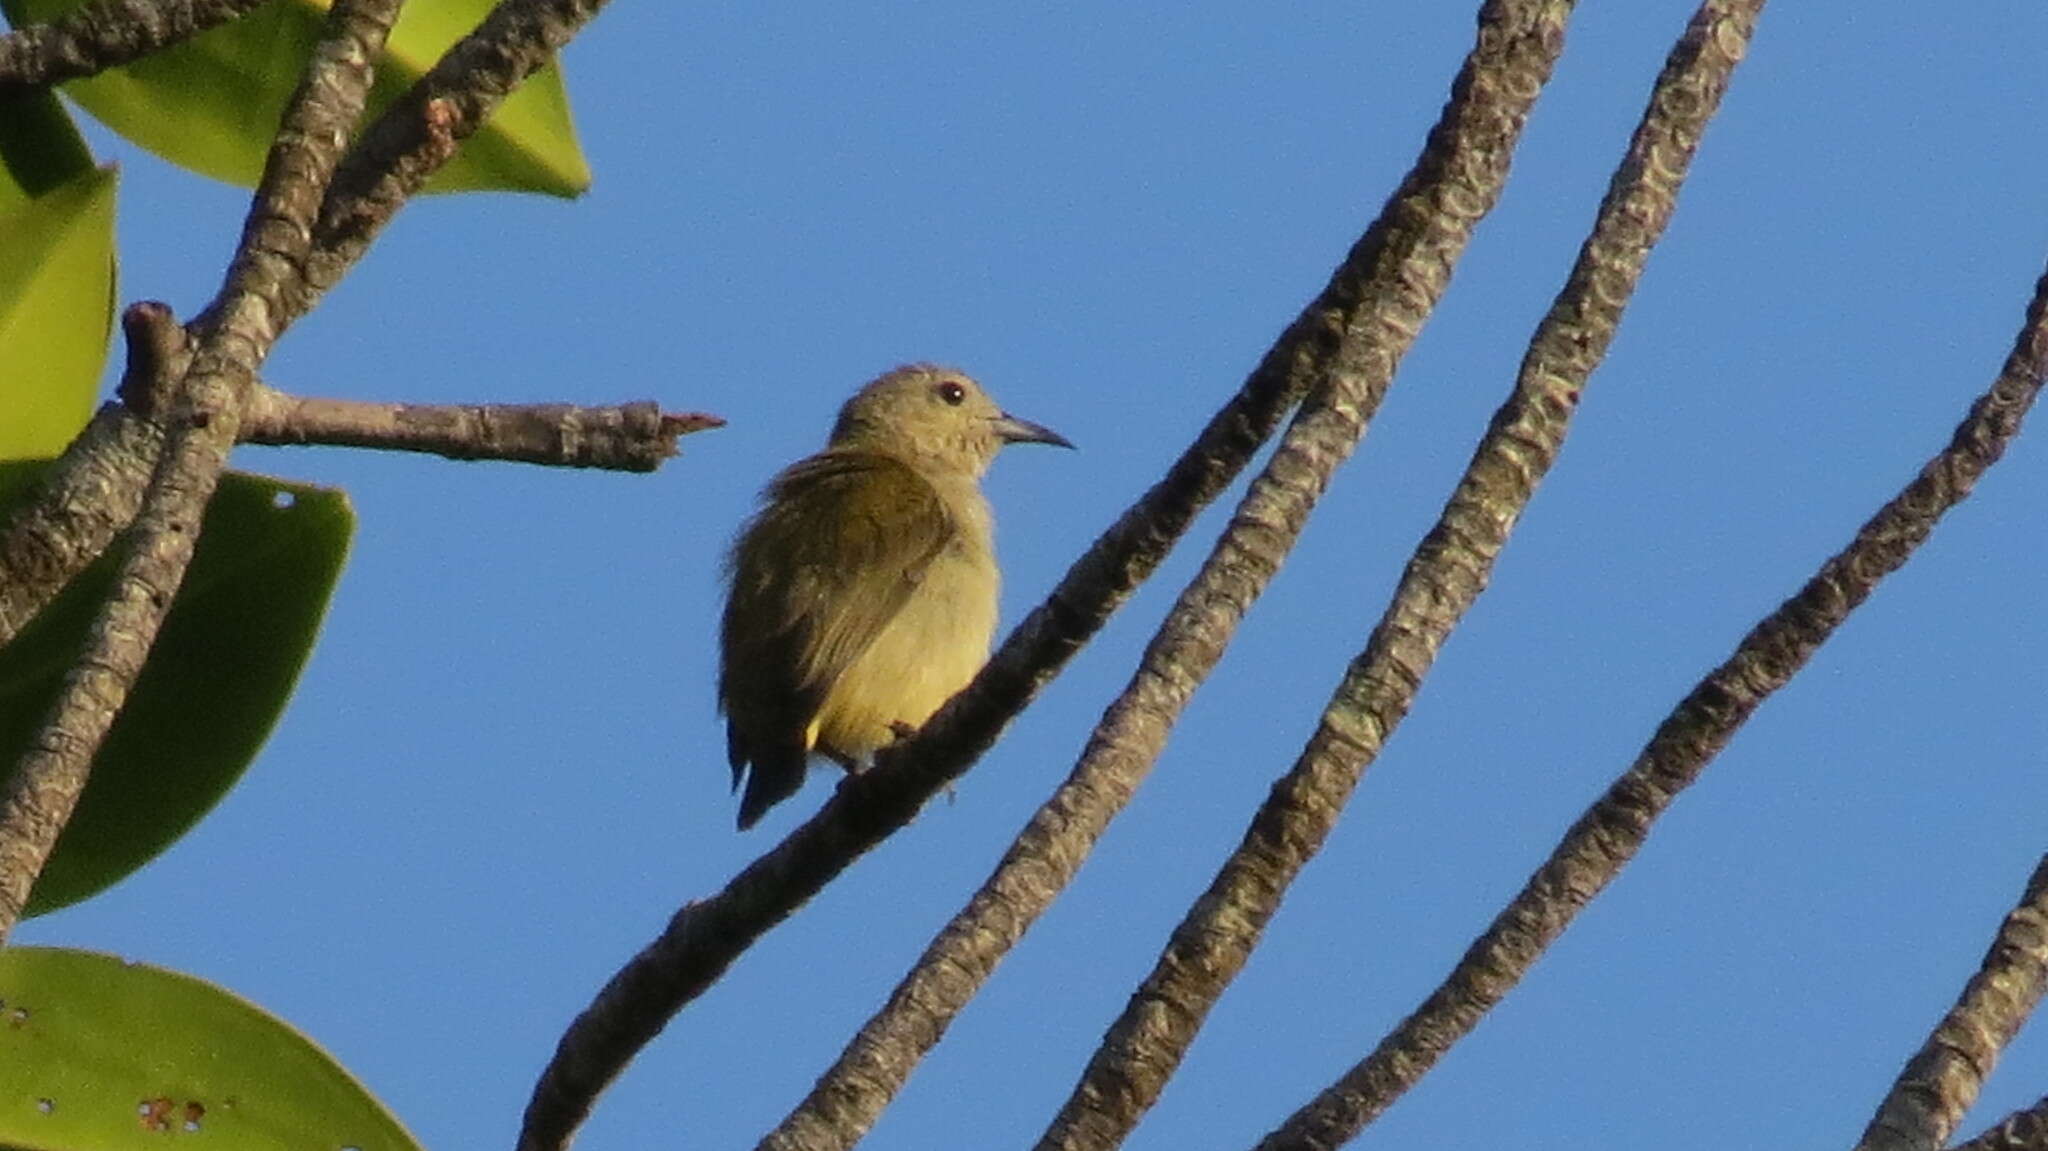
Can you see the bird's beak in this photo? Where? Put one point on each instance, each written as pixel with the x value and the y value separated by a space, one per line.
pixel 1016 431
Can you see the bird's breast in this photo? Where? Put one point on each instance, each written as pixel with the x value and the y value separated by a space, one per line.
pixel 927 652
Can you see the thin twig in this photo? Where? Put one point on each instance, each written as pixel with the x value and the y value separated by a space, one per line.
pixel 1398 272
pixel 104 34
pixel 1609 834
pixel 1445 577
pixel 421 130
pixel 1941 1081
pixel 633 437
pixel 245 321
pixel 2024 1130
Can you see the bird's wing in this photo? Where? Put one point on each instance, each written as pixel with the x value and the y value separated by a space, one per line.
pixel 840 544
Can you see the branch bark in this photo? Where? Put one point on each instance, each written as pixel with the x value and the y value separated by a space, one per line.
pixel 1445 577
pixel 93 491
pixel 633 437
pixel 1941 1081
pixel 420 130
pixel 1609 834
pixel 76 509
pixel 1389 283
pixel 246 321
pixel 2025 1130
pixel 104 34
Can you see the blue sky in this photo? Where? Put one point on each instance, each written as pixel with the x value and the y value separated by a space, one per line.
pixel 503 771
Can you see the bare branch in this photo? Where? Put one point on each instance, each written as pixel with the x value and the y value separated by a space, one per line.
pixel 94 489
pixel 1403 266
pixel 421 129
pixel 1377 298
pixel 634 437
pixel 77 507
pixel 104 34
pixel 1609 834
pixel 1941 1081
pixel 1449 570
pixel 2020 1131
pixel 245 321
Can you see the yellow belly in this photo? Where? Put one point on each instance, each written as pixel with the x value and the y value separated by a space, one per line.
pixel 926 654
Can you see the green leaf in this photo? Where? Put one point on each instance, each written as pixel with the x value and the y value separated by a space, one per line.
pixel 40 148
pixel 223 667
pixel 212 103
pixel 100 1054
pixel 56 276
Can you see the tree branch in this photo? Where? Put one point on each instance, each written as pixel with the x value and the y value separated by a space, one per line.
pixel 1609 834
pixel 421 129
pixel 1941 1081
pixel 634 437
pixel 1449 570
pixel 104 34
pixel 245 321
pixel 1400 269
pixel 94 489
pixel 2025 1130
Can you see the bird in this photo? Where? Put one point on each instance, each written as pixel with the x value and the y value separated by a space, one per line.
pixel 862 594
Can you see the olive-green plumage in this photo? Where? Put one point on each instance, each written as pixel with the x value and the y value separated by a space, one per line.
pixel 863 593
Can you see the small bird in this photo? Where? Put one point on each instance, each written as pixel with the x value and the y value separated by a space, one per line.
pixel 863 594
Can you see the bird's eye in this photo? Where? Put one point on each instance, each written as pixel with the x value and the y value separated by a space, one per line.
pixel 951 392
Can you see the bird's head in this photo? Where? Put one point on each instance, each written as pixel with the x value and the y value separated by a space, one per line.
pixel 936 418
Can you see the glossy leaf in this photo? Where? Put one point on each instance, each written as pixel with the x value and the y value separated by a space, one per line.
pixel 100 1054
pixel 212 103
pixel 40 148
pixel 223 667
pixel 56 276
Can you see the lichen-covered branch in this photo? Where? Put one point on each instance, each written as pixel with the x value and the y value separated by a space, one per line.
pixel 1941 1081
pixel 1449 570
pixel 244 322
pixel 1609 834
pixel 104 34
pixel 633 437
